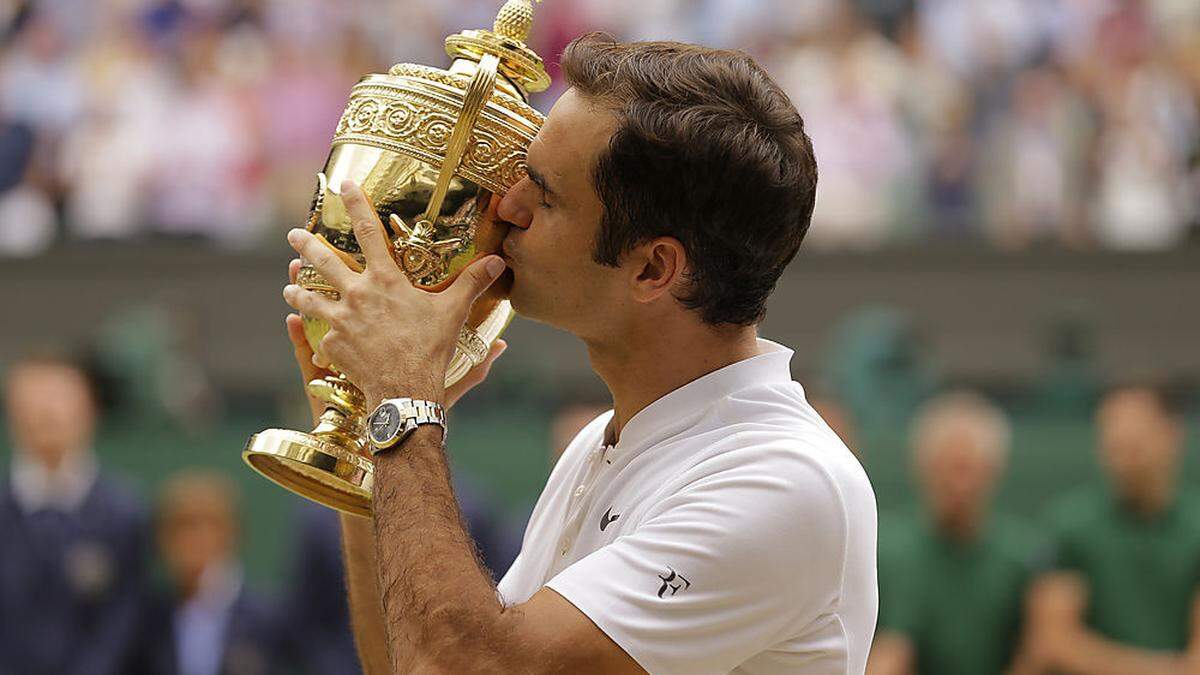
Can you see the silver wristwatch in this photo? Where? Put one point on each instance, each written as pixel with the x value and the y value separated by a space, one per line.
pixel 396 418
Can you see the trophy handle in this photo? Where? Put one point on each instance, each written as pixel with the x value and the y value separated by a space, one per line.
pixel 477 94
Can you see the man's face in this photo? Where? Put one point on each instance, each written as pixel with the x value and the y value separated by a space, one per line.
pixel 957 476
pixel 50 412
pixel 555 215
pixel 1139 443
pixel 197 531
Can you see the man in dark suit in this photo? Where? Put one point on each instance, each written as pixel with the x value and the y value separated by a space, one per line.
pixel 318 620
pixel 72 562
pixel 208 622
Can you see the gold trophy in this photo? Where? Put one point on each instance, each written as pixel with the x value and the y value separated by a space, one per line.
pixel 430 147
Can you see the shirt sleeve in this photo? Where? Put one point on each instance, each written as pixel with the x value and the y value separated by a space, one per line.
pixel 743 557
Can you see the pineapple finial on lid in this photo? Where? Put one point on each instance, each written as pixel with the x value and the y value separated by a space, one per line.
pixel 514 20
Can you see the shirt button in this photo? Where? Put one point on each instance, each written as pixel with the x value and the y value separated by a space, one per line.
pixel 580 490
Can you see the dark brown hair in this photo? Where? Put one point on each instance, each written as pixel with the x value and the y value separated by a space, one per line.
pixel 708 150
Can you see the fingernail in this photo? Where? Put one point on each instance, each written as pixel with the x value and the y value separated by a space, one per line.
pixel 348 187
pixel 290 289
pixel 495 266
pixel 295 234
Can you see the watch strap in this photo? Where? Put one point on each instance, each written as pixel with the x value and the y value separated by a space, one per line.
pixel 413 413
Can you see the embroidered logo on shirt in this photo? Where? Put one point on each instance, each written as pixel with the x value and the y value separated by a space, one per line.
pixel 607 519
pixel 673 581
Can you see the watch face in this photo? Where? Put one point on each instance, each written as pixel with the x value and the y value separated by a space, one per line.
pixel 385 423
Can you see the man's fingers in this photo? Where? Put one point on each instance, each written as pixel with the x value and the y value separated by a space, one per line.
pixel 476 375
pixel 293 270
pixel 295 329
pixel 310 369
pixel 321 256
pixel 321 362
pixel 309 302
pixel 476 278
pixel 367 228
pixel 480 372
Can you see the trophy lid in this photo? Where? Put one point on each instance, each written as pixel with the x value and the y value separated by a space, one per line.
pixel 507 41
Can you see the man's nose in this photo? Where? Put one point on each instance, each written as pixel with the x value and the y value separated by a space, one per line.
pixel 513 207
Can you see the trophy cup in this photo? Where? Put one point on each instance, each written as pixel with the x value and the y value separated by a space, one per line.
pixel 430 147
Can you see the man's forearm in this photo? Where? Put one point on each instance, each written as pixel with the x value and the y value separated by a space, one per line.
pixel 366 610
pixel 1093 654
pixel 439 603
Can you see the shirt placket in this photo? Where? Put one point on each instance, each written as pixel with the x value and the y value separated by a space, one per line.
pixel 580 503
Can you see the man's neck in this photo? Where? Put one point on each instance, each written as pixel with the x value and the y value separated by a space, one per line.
pixel 643 366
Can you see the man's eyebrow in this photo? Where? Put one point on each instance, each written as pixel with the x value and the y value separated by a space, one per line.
pixel 538 179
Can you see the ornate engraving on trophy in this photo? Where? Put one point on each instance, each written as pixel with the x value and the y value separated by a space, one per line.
pixel 386 116
pixel 431 148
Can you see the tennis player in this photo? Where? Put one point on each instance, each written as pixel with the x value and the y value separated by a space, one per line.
pixel 711 522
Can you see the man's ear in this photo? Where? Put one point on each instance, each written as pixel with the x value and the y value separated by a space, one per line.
pixel 659 264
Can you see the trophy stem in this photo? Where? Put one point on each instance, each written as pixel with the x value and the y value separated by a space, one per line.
pixel 329 465
pixel 345 418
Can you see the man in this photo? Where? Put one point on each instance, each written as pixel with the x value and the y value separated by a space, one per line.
pixel 952 578
pixel 208 623
pixel 318 620
pixel 1125 597
pixel 73 538
pixel 711 522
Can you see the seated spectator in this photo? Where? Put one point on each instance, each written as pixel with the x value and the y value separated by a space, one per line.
pixel 73 538
pixel 208 622
pixel 951 579
pixel 1123 599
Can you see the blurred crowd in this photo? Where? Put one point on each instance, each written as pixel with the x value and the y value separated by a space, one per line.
pixel 1104 582
pixel 1012 122
pixel 79 591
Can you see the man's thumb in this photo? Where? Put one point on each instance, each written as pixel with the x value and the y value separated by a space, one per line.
pixel 477 277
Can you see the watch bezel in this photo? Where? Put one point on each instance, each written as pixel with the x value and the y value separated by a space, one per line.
pixel 389 440
pixel 410 416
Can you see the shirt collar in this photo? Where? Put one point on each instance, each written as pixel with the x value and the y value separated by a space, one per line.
pixel 680 408
pixel 35 488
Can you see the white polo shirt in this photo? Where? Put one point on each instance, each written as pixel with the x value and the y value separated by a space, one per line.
pixel 728 530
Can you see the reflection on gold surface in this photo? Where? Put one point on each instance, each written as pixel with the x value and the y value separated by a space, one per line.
pixel 430 148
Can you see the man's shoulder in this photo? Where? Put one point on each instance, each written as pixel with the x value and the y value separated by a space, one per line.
pixel 780 435
pixel 115 500
pixel 785 475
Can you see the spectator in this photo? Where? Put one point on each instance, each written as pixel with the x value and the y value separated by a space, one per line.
pixel 318 618
pixel 73 537
pixel 1124 597
pixel 208 623
pixel 951 579
pixel 1012 121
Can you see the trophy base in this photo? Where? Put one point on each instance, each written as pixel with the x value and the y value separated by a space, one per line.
pixel 314 468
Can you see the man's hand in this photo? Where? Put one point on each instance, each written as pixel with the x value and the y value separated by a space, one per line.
pixel 310 369
pixel 388 337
